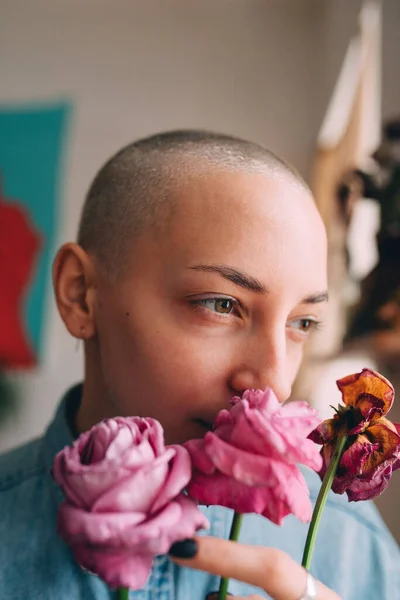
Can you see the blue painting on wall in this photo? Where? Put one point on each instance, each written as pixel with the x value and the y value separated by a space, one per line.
pixel 32 158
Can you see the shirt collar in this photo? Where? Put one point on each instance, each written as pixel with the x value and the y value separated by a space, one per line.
pixel 59 433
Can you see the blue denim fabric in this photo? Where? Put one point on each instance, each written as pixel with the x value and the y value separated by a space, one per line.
pixel 355 554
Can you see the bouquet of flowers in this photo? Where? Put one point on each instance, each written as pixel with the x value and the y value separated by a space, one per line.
pixel 128 497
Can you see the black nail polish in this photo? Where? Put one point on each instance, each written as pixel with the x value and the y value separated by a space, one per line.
pixel 214 595
pixel 184 549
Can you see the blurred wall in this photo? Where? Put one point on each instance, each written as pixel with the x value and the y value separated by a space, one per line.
pixel 338 23
pixel 391 58
pixel 261 69
pixel 132 68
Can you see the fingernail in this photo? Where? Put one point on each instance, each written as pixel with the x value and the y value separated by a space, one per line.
pixel 184 549
pixel 214 595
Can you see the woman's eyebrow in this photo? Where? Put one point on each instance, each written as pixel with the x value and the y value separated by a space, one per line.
pixel 251 283
pixel 237 277
pixel 315 298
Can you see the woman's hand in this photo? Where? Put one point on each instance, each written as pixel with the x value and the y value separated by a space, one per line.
pixel 267 568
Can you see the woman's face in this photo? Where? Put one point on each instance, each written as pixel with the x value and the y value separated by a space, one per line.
pixel 220 298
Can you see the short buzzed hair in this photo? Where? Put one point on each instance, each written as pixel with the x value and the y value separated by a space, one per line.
pixel 134 188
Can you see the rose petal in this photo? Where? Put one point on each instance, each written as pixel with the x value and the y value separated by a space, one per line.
pixel 243 466
pixel 137 454
pixel 230 459
pixel 325 432
pixel 396 464
pixel 385 437
pixel 288 495
pixel 155 436
pixel 57 472
pixel 83 484
pixel 183 525
pixel 281 434
pixel 177 478
pixel 257 472
pixel 264 401
pixel 118 568
pixel 89 486
pixel 284 434
pixel 224 417
pixel 100 438
pixel 370 488
pixel 135 531
pixel 351 463
pixel 369 392
pixel 219 489
pixel 129 565
pixel 137 491
pixel 78 526
pixel 125 438
pixel 301 411
pixel 198 455
pixel 354 458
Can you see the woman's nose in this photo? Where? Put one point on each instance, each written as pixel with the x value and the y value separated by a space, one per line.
pixel 264 365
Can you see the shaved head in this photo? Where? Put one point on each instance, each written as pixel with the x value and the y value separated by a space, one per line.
pixel 201 272
pixel 135 189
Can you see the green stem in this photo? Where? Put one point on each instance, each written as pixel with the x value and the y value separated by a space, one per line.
pixel 123 593
pixel 321 500
pixel 233 536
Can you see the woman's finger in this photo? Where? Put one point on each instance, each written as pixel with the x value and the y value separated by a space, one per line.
pixel 267 568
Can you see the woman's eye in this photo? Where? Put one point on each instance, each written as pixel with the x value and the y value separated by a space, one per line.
pixel 223 306
pixel 305 325
pixel 220 306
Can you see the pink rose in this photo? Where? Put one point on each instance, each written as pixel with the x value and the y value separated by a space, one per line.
pixel 248 462
pixel 124 502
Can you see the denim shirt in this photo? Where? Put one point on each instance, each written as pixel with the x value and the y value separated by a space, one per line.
pixel 355 555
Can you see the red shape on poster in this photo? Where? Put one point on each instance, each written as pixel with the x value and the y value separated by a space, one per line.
pixel 19 246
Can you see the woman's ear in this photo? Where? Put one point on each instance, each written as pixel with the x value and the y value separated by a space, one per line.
pixel 74 289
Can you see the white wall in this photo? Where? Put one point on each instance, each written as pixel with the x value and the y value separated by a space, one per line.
pixel 134 67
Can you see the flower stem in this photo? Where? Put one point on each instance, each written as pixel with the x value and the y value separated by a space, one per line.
pixel 123 593
pixel 321 500
pixel 233 536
